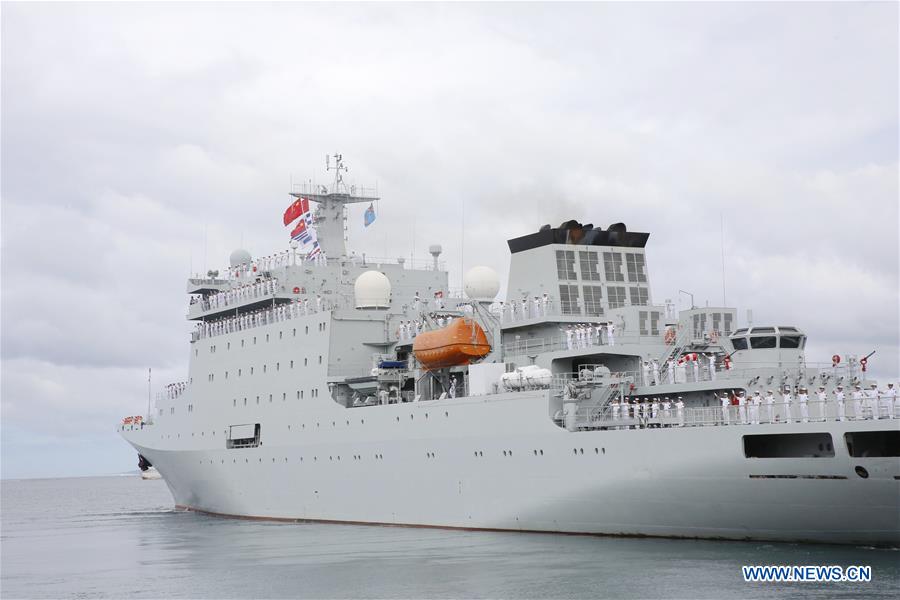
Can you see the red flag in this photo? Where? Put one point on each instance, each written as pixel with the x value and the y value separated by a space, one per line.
pixel 298 208
pixel 300 229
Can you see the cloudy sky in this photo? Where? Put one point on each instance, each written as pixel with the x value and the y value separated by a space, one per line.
pixel 143 142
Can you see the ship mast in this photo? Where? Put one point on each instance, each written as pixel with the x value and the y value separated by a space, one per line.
pixel 331 216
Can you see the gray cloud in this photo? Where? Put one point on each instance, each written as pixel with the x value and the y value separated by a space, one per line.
pixel 141 142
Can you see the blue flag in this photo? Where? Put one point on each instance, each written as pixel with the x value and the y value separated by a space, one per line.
pixel 369 217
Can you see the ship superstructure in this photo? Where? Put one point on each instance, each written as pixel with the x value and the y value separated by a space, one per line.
pixel 327 385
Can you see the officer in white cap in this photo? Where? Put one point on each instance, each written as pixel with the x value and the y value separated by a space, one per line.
pixel 754 407
pixel 712 367
pixel 856 396
pixel 667 410
pixel 770 406
pixel 614 408
pixel 887 404
pixel 742 407
pixel 839 401
pixel 679 411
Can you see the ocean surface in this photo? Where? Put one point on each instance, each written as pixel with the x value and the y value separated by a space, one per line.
pixel 118 537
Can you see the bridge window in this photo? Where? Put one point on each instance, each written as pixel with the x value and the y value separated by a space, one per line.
pixel 727 318
pixel 739 343
pixel 767 341
pixel 790 341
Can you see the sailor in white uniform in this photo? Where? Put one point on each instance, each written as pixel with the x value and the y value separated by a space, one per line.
pixel 742 407
pixel 726 402
pixel 610 330
pixel 894 399
pixel 452 392
pixel 545 304
pixel 786 398
pixel 679 411
pixel 856 397
pixel 802 399
pixel 839 401
pixel 887 404
pixel 696 366
pixel 654 410
pixel 756 401
pixel 645 372
pixel 667 409
pixel 614 409
pixel 712 367
pixel 655 366
pixel 820 400
pixel 670 370
pixel 770 406
pixel 569 340
pixel 872 397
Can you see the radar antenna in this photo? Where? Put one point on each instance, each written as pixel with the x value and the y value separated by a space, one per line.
pixel 339 168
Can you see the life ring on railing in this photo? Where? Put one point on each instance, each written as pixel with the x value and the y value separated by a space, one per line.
pixel 670 336
pixel 835 360
pixel 862 363
pixel 296 290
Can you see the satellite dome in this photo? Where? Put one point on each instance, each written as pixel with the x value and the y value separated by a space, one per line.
pixel 372 290
pixel 239 257
pixel 481 283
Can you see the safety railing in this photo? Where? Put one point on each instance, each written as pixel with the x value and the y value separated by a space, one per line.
pixel 659 414
pixel 235 297
pixel 258 318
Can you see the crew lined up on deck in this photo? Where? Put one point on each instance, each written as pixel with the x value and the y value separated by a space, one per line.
pixel 520 310
pixel 408 330
pixel 583 335
pixel 258 289
pixel 263 316
pixel 739 409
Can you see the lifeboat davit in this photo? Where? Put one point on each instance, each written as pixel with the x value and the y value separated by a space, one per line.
pixel 460 343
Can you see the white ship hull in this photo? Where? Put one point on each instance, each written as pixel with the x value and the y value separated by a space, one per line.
pixel 449 470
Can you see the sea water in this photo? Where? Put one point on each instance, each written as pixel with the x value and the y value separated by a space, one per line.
pixel 118 537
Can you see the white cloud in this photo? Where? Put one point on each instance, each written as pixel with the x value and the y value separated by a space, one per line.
pixel 144 141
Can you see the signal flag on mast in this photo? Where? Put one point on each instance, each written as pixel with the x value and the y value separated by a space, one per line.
pixel 297 209
pixel 369 216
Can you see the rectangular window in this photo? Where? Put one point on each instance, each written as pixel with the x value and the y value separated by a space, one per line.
pixel 565 265
pixel 717 322
pixel 593 298
pixel 654 322
pixel 699 325
pixel 568 299
pixel 639 296
pixel 873 443
pixel 612 265
pixel 589 266
pixel 788 445
pixel 642 321
pixel 635 264
pixel 727 321
pixel 616 296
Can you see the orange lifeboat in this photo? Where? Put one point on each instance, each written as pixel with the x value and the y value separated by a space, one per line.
pixel 460 343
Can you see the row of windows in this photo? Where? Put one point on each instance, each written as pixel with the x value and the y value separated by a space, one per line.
pixel 589 266
pixel 476 453
pixel 721 322
pixel 593 296
pixel 212 376
pixel 212 347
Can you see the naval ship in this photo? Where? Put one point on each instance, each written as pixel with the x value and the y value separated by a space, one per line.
pixel 325 385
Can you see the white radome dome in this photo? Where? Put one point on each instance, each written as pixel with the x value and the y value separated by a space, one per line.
pixel 240 257
pixel 481 283
pixel 372 290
